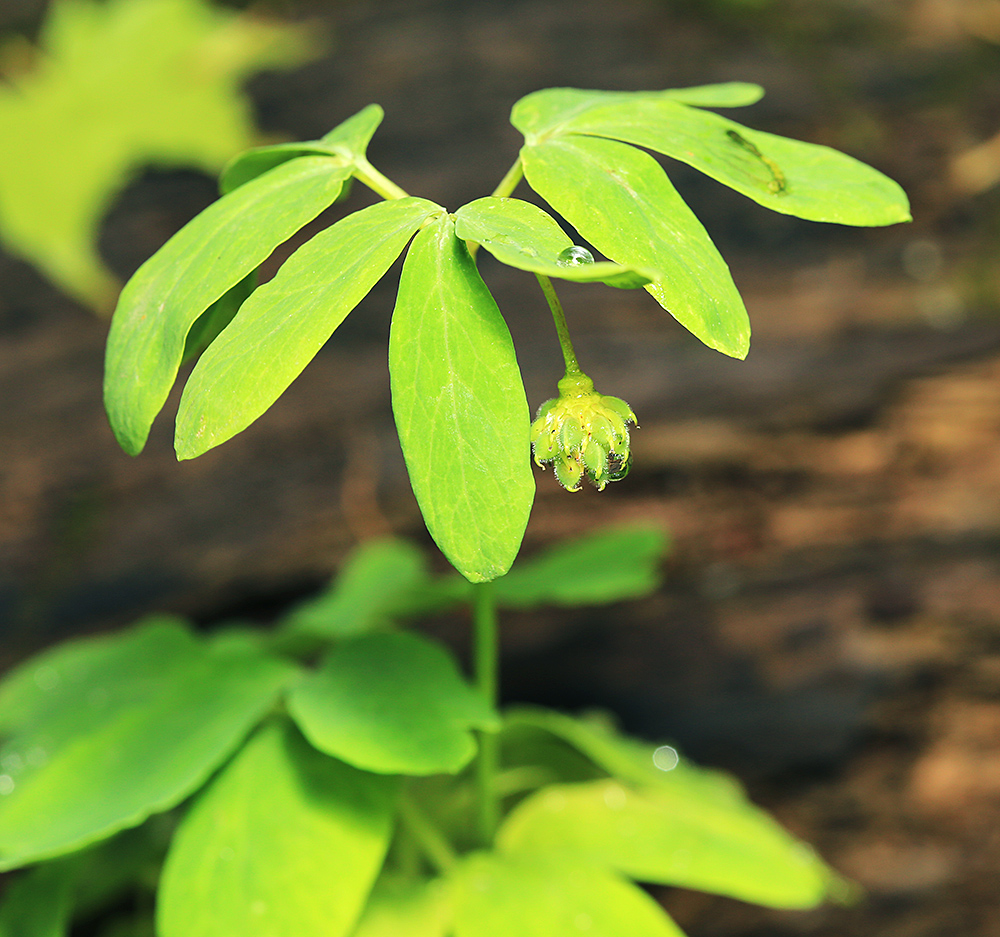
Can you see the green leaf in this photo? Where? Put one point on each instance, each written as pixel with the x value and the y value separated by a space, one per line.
pixel 207 257
pixel 282 326
pixel 788 176
pixel 547 113
pixel 348 140
pixel 607 566
pixel 521 235
pixel 498 895
pixel 115 729
pixel 118 85
pixel 376 581
pixel 208 326
pixel 399 907
pixel 595 183
pixel 670 835
pixel 285 841
pixel 40 902
pixel 460 407
pixel 394 703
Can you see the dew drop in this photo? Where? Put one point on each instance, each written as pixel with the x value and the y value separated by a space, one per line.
pixel 11 762
pixel 574 257
pixel 583 921
pixel 46 677
pixel 227 853
pixel 666 758
pixel 258 907
pixel 6 785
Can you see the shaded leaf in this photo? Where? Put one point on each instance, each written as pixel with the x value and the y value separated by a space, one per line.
pixel 671 834
pixel 595 183
pixel 108 731
pixel 497 895
pixel 285 841
pixel 207 257
pixel 607 566
pixel 39 903
pixel 282 326
pixel 399 907
pixel 521 235
pixel 375 584
pixel 460 407
pixel 393 703
pixel 122 84
pixel 348 140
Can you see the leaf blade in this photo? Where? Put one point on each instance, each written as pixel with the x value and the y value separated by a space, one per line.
pixel 203 260
pixel 284 841
pixel 522 235
pixel 788 176
pixel 96 757
pixel 593 182
pixel 285 322
pixel 393 703
pixel 460 407
pixel 497 895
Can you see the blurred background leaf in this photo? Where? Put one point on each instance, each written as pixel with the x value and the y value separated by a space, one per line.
pixel 112 87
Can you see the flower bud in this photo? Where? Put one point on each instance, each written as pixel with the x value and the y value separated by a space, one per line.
pixel 583 433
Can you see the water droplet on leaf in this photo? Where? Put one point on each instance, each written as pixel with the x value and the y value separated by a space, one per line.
pixel 574 257
pixel 666 758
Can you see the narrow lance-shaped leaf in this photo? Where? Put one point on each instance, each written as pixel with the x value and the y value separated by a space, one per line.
pixel 546 113
pixel 348 140
pixel 282 326
pixel 460 407
pixel 788 176
pixel 522 235
pixel 622 202
pixel 393 703
pixel 124 727
pixel 203 260
pixel 286 841
pixel 785 175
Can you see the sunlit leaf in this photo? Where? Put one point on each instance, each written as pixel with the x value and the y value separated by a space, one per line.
pixel 547 112
pixel 522 235
pixel 393 703
pixel 286 841
pixel 671 835
pixel 785 175
pixel 106 732
pixel 348 140
pixel 460 407
pixel 207 257
pixel 498 895
pixel 606 566
pixel 285 322
pixel 595 184
pixel 405 908
pixel 119 85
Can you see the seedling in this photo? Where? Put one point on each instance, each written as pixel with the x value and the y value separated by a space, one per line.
pixel 338 776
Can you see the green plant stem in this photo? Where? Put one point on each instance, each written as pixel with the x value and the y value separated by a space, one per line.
pixel 378 183
pixel 486 657
pixel 427 836
pixel 509 182
pixel 562 329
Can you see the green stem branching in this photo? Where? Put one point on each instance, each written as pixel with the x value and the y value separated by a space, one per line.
pixel 376 181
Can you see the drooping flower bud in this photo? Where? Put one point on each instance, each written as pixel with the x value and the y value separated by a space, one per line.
pixel 582 432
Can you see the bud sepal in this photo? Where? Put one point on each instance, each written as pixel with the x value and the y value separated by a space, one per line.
pixel 583 433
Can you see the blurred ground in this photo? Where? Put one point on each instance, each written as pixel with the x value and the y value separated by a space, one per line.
pixel 830 625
